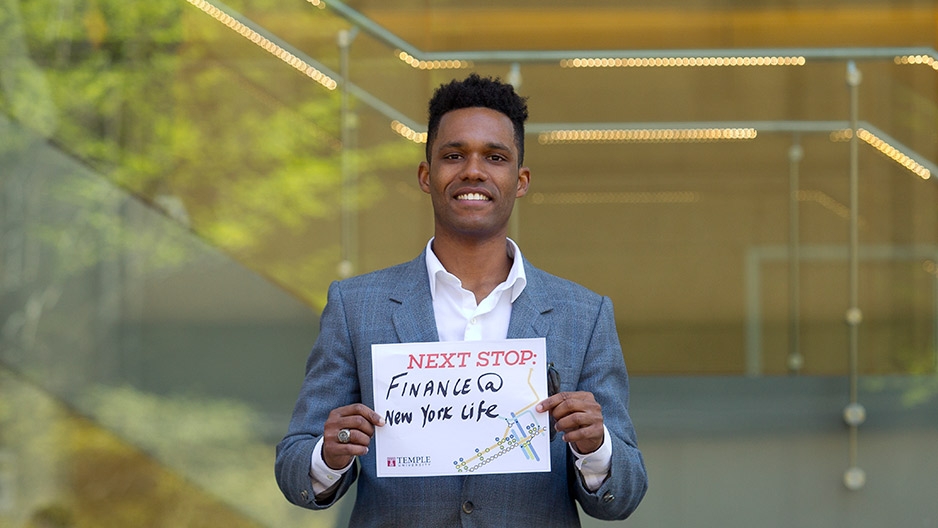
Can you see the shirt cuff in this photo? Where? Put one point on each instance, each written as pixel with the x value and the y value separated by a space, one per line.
pixel 323 477
pixel 594 467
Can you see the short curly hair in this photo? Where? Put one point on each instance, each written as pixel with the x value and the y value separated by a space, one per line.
pixel 475 91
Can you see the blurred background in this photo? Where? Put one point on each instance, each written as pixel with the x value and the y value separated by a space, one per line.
pixel 752 183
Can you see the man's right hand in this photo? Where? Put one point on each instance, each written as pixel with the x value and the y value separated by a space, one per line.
pixel 360 422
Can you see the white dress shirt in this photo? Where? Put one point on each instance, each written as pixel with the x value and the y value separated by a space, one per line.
pixel 460 318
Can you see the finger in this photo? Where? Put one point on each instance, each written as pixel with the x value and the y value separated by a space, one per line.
pixel 580 422
pixel 585 440
pixel 338 456
pixel 564 403
pixel 356 441
pixel 358 409
pixel 548 404
pixel 576 410
pixel 584 430
pixel 352 423
pixel 355 416
pixel 335 448
pixel 579 434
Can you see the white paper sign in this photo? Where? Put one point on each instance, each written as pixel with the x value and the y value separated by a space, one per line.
pixel 461 407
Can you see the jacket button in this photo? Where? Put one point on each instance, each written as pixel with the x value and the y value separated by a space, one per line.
pixel 305 495
pixel 608 497
pixel 467 507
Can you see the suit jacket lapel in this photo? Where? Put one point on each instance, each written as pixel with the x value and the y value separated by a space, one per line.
pixel 528 312
pixel 412 306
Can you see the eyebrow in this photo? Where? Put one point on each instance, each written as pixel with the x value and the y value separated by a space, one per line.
pixel 488 146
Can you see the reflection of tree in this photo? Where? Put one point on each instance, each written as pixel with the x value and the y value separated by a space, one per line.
pixel 916 391
pixel 214 443
pixel 921 390
pixel 173 109
pixel 109 482
pixel 250 159
pixel 24 92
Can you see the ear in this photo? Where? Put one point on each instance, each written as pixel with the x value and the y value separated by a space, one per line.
pixel 423 176
pixel 524 179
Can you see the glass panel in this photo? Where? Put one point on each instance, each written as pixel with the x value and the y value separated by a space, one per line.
pixel 140 367
pixel 180 182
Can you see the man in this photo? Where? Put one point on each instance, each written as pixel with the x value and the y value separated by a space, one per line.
pixel 471 282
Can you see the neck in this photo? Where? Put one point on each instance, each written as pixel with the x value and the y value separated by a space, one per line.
pixel 480 265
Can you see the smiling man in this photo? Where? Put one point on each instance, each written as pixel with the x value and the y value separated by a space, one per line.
pixel 470 283
pixel 473 175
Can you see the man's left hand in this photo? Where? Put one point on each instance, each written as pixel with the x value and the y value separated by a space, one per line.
pixel 579 417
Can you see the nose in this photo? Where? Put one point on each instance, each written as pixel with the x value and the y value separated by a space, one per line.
pixel 474 169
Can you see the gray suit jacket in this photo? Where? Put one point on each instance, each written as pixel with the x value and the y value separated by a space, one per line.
pixel 394 306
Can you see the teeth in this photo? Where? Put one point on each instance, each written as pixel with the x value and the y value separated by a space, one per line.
pixel 472 196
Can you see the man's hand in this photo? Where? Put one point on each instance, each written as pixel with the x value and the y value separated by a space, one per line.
pixel 360 422
pixel 579 417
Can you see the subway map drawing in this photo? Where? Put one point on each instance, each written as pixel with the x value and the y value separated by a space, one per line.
pixel 521 428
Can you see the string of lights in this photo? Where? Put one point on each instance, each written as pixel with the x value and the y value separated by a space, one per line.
pixel 665 135
pixel 408 133
pixel 886 148
pixel 434 64
pixel 917 59
pixel 593 62
pixel 265 43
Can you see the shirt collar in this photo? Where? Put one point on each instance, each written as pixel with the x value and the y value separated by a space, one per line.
pixel 516 277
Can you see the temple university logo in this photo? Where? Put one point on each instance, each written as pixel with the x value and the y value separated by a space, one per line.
pixel 408 461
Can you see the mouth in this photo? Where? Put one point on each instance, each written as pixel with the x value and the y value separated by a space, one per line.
pixel 473 197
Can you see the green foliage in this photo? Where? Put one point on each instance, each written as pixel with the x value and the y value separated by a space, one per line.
pixel 71 472
pixel 165 101
pixel 161 101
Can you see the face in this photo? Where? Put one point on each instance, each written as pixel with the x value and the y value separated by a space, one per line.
pixel 473 176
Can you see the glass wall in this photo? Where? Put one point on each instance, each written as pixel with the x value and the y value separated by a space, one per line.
pixel 754 185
